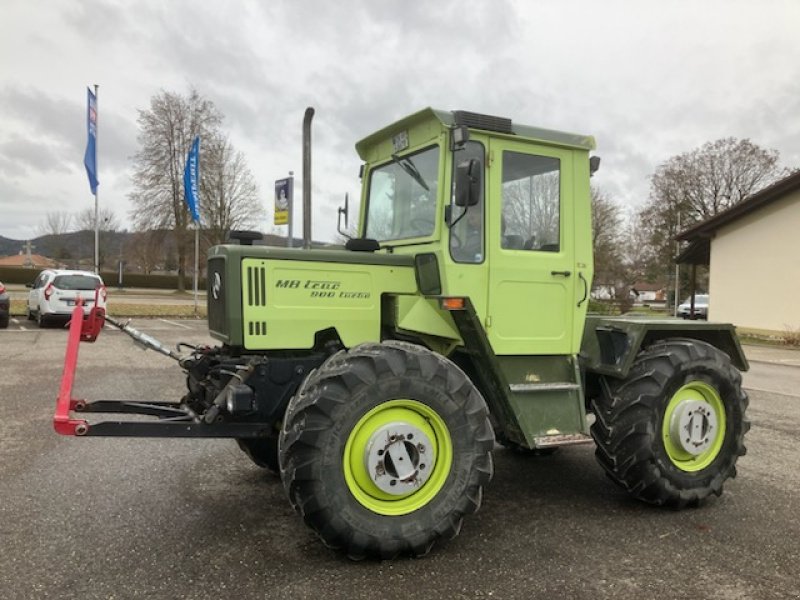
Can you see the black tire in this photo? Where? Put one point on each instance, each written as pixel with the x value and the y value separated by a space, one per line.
pixel 4 321
pixel 629 424
pixel 325 414
pixel 262 451
pixel 41 320
pixel 31 316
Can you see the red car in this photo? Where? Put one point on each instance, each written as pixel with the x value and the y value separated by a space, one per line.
pixel 5 306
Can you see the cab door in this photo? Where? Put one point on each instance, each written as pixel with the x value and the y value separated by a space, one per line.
pixel 532 274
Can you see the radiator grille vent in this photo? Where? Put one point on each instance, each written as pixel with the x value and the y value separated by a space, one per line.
pixel 257 328
pixel 256 286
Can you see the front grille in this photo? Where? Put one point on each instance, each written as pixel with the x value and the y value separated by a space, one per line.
pixel 216 288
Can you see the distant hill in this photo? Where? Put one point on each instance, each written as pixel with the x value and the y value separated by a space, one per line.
pixel 68 247
pixel 77 248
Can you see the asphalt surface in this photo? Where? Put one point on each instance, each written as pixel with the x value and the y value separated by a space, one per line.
pixel 128 518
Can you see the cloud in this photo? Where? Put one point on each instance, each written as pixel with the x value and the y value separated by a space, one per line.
pixel 648 79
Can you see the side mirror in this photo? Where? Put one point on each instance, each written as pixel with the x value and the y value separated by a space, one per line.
pixel 594 165
pixel 469 180
pixel 343 210
pixel 29 285
pixel 459 136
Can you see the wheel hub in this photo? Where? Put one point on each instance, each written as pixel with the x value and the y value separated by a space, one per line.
pixel 693 426
pixel 399 458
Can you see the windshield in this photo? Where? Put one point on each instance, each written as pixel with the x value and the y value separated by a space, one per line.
pixel 402 197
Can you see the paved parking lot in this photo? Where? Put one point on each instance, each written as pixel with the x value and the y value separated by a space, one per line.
pixel 127 518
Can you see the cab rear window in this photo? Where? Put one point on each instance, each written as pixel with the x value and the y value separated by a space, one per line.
pixel 76 282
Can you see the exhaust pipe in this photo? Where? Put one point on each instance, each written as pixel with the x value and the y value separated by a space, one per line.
pixel 307 177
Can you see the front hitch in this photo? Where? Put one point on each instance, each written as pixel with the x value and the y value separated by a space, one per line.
pixel 171 419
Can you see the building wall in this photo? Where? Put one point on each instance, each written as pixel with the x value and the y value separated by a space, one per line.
pixel 754 279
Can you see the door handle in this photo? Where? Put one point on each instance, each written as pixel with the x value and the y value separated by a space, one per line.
pixel 585 289
pixel 562 273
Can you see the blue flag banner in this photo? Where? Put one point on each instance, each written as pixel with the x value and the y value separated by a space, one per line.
pixel 90 157
pixel 190 177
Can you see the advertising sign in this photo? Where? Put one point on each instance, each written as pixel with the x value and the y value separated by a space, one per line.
pixel 283 200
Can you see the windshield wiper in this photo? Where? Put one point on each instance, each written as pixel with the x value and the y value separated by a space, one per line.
pixel 409 167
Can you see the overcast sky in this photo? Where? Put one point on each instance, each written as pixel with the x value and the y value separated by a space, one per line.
pixel 647 79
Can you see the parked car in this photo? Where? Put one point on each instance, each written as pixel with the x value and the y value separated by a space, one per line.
pixel 54 293
pixel 5 306
pixel 700 307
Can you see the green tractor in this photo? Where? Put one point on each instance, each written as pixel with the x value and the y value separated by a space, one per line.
pixel 376 378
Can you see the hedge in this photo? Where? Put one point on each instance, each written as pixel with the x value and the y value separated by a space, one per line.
pixel 23 275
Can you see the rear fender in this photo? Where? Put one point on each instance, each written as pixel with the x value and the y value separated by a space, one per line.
pixel 610 344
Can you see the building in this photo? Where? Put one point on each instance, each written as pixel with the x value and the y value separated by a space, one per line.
pixel 643 292
pixel 753 254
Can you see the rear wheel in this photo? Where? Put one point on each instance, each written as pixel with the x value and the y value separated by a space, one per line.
pixel 671 433
pixel 385 449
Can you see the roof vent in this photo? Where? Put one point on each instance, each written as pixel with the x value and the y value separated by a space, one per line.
pixel 485 122
pixel 245 238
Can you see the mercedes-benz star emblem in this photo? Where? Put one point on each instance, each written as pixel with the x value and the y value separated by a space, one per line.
pixel 216 286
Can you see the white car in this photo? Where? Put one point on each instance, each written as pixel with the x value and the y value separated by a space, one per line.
pixel 54 294
pixel 700 307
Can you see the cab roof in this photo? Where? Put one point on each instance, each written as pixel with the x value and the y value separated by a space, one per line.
pixel 478 122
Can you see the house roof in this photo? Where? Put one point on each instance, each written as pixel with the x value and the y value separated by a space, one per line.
pixel 21 260
pixel 698 252
pixel 647 287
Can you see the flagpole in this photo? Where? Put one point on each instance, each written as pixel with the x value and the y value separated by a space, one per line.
pixel 96 201
pixel 196 260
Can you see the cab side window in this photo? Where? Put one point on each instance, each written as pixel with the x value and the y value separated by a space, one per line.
pixel 531 202
pixel 467 234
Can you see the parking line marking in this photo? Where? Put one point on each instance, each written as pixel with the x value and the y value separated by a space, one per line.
pixel 176 324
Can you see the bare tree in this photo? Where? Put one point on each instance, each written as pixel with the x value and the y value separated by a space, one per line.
pixel 166 131
pixel 147 250
pixel 56 223
pixel 84 220
pixel 606 238
pixel 697 185
pixel 228 192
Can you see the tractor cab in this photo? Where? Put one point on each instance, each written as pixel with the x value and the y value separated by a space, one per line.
pixel 500 211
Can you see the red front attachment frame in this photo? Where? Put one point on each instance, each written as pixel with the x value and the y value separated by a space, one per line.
pixel 80 330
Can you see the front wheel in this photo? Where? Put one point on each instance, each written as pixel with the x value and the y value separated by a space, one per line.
pixel 385 449
pixel 262 451
pixel 671 433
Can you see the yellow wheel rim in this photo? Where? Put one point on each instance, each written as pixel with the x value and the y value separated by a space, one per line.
pixel 359 452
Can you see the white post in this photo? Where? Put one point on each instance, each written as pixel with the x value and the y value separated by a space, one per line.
pixel 677 270
pixel 196 260
pixel 96 170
